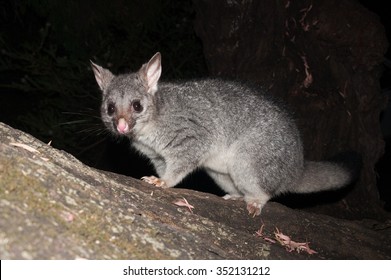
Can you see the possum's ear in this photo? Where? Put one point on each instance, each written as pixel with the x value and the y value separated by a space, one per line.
pixel 150 73
pixel 103 76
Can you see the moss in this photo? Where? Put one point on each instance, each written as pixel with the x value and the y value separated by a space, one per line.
pixel 14 185
pixel 87 222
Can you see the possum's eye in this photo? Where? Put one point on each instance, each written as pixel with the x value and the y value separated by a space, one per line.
pixel 137 106
pixel 110 109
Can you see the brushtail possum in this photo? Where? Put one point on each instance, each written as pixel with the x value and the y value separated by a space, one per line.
pixel 248 144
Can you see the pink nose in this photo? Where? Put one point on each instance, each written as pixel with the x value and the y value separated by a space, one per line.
pixel 122 126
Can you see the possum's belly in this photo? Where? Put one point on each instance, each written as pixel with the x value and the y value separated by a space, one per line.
pixel 218 161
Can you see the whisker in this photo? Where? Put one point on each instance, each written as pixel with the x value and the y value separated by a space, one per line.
pixel 90 147
pixel 96 131
pixel 95 116
pixel 74 122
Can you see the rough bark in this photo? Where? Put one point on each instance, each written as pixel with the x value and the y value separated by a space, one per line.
pixel 54 207
pixel 323 58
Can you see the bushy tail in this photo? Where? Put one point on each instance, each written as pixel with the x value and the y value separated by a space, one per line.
pixel 328 175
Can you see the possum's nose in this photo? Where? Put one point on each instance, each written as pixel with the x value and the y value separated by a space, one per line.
pixel 122 126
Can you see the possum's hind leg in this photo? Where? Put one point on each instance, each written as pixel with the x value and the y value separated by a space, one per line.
pixel 255 204
pixel 249 184
pixel 255 199
pixel 249 181
pixel 225 182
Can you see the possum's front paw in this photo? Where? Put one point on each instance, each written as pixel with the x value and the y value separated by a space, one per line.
pixel 154 181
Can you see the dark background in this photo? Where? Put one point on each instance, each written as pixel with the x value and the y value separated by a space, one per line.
pixel 48 90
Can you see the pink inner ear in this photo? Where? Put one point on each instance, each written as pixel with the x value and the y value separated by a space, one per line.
pixel 103 76
pixel 153 73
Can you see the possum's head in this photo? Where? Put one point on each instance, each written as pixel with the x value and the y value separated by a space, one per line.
pixel 128 101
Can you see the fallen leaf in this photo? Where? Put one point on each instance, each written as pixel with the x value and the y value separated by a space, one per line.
pixel 24 146
pixel 259 232
pixel 67 216
pixel 291 245
pixel 269 239
pixel 184 203
pixel 263 236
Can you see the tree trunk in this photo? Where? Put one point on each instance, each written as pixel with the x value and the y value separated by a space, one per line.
pixel 54 207
pixel 323 58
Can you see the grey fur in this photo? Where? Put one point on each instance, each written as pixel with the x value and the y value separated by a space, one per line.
pixel 246 142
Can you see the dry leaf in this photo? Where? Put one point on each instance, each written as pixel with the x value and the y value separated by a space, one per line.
pixel 259 232
pixel 184 203
pixel 67 216
pixel 263 236
pixel 269 239
pixel 26 147
pixel 291 245
pixel 285 241
pixel 308 79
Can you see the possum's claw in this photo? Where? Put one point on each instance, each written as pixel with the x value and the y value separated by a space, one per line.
pixel 254 208
pixel 154 181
